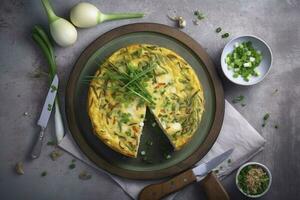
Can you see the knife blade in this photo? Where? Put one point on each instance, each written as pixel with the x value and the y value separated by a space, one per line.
pixel 203 169
pixel 44 117
pixel 160 190
pixel 47 108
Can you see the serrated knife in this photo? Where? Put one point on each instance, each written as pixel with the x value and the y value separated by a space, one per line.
pixel 160 190
pixel 44 117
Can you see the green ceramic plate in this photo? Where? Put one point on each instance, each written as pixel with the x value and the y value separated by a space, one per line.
pixel 160 159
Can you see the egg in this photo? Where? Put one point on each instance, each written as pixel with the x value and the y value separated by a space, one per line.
pixel 176 92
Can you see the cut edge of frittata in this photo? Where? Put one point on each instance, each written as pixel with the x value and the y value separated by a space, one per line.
pixel 102 127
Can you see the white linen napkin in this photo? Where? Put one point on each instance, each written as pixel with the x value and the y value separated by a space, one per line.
pixel 236 133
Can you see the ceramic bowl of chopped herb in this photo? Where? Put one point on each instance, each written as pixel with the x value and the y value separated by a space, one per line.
pixel 246 60
pixel 253 179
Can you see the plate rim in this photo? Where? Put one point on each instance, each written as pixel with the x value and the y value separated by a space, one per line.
pixel 189 42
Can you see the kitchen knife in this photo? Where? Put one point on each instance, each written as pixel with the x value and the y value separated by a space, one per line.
pixel 213 188
pixel 160 190
pixel 44 117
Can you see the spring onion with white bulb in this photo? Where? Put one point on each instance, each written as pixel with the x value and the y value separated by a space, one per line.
pixel 244 60
pixel 85 15
pixel 42 40
pixel 62 31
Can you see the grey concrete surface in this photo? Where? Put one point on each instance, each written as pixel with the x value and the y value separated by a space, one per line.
pixel 276 21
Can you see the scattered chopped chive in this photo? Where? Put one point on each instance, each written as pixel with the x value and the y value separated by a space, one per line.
pixel 219 29
pixel 229 160
pixel 44 173
pixel 263 125
pixel 221 167
pixel 51 143
pixel 73 160
pixel 53 88
pixel 199 15
pixel 225 35
pixel 72 166
pixel 243 105
pixel 266 116
pixel 49 107
pixel 276 126
pixel 238 99
pixel 216 171
pixel 143 153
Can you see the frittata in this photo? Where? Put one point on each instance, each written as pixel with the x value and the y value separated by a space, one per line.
pixel 140 76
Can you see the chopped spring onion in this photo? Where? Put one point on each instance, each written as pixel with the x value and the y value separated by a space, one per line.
pixel 72 166
pixel 199 15
pixel 225 35
pixel 266 116
pixel 143 153
pixel 44 173
pixel 238 99
pixel 218 30
pixel 244 60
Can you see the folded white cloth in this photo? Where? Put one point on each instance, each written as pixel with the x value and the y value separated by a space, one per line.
pixel 236 133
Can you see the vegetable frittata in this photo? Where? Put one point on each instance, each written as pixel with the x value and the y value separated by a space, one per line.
pixel 140 76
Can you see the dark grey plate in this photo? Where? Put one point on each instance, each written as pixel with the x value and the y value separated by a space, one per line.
pixel 156 165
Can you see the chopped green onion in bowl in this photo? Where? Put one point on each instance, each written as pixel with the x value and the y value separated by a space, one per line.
pixel 244 60
pixel 239 50
pixel 253 179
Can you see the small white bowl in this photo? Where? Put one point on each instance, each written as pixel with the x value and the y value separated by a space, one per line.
pixel 265 169
pixel 263 67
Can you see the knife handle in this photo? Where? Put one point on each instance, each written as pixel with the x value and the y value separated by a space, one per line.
pixel 36 151
pixel 160 190
pixel 213 188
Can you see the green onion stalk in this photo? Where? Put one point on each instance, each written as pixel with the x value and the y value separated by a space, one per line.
pixel 42 40
pixel 85 15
